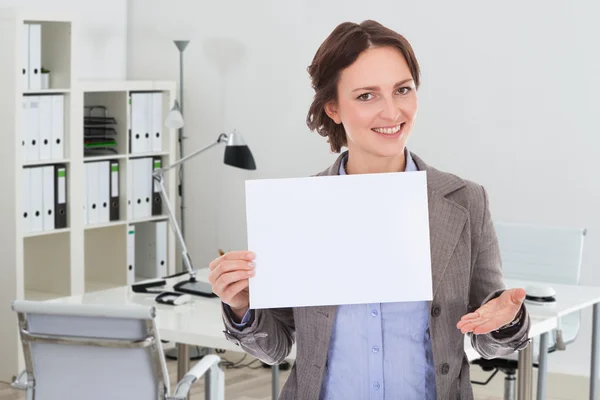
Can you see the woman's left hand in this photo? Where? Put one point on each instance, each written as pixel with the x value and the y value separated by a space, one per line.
pixel 494 314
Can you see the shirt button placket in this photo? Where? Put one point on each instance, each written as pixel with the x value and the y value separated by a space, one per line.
pixel 376 361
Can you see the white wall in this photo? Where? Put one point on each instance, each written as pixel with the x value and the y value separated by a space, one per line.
pixel 103 28
pixel 509 99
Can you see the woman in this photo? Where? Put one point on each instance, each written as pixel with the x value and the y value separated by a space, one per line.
pixel 365 78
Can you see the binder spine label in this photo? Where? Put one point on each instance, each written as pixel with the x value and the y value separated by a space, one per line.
pixel 61 186
pixel 157 165
pixel 114 171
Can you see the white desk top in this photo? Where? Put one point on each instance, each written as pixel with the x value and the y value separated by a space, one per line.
pixel 199 322
pixel 569 298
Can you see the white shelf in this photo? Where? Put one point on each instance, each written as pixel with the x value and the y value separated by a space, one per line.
pixel 46 91
pixel 46 162
pixel 149 219
pixel 104 225
pixel 150 154
pixel 117 86
pixel 105 158
pixel 64 262
pixel 128 222
pixel 46 233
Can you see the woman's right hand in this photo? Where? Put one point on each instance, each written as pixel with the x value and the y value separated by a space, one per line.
pixel 229 276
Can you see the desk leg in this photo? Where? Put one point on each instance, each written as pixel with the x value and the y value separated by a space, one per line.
pixel 525 370
pixel 183 360
pixel 595 350
pixel 207 381
pixel 542 367
pixel 275 382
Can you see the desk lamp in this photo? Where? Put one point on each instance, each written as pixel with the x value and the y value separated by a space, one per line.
pixel 237 154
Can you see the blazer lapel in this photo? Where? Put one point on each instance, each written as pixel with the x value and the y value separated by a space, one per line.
pixel 446 223
pixel 447 219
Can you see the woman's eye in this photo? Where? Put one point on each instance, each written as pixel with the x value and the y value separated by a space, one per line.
pixel 365 96
pixel 404 90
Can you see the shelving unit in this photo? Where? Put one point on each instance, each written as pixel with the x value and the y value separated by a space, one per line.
pixel 43 264
pixel 102 271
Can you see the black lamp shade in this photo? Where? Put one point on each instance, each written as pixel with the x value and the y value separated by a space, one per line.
pixel 239 156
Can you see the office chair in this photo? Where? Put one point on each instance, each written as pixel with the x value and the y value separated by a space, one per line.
pixel 538 253
pixel 99 352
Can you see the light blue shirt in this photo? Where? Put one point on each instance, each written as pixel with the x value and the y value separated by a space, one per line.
pixel 381 350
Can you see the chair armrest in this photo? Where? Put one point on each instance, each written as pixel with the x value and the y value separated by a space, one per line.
pixel 208 362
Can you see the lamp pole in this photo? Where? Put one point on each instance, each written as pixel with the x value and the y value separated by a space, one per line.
pixel 183 351
pixel 181 45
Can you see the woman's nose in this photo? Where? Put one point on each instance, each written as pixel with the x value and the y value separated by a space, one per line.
pixel 390 111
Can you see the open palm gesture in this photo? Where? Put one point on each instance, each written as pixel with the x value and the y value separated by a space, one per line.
pixel 494 314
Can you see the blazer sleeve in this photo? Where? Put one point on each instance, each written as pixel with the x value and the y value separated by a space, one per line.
pixel 269 334
pixel 487 283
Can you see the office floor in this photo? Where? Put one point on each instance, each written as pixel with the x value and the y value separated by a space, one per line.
pixel 255 384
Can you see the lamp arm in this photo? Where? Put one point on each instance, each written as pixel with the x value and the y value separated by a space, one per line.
pixel 174 225
pixel 221 139
pixel 158 176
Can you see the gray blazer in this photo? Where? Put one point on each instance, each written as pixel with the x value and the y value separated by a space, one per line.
pixel 467 272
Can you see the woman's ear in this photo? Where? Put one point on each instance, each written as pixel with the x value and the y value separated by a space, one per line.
pixel 332 112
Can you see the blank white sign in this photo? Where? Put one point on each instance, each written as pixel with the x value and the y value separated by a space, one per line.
pixel 333 240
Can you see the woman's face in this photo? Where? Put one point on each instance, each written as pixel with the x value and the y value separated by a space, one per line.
pixel 377 103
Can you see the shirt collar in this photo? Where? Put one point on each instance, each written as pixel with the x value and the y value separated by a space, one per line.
pixel 410 163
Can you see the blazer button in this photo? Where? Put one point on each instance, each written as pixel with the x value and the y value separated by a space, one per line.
pixel 445 369
pixel 436 311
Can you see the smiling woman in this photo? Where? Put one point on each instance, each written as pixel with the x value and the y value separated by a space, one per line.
pixel 368 86
pixel 366 78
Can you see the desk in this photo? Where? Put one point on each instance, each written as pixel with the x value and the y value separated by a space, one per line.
pixel 200 323
pixel 570 298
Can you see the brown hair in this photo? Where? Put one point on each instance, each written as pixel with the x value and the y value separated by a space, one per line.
pixel 341 48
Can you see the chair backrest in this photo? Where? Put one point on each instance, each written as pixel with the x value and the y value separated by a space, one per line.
pixel 92 352
pixel 547 254
pixel 550 254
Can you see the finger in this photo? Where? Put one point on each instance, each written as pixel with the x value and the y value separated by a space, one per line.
pixel 471 323
pixel 232 255
pixel 469 316
pixel 235 288
pixel 229 278
pixel 462 323
pixel 230 266
pixel 517 296
pixel 472 326
pixel 485 328
pixel 227 256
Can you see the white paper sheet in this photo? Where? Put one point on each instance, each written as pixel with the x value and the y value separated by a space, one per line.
pixel 349 239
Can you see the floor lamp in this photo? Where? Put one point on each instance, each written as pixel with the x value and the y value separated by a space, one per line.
pixel 237 154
